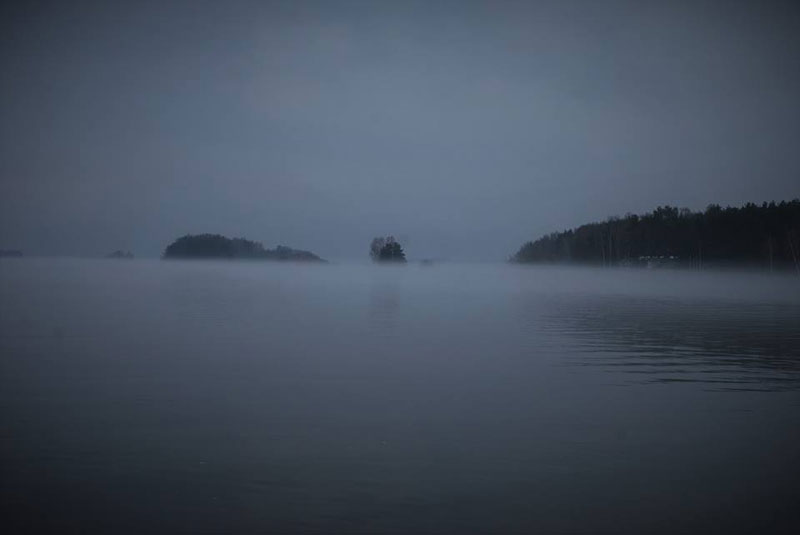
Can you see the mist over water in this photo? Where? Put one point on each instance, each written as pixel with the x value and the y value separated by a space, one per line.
pixel 208 397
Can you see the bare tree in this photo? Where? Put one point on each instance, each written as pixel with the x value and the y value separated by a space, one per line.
pixel 375 248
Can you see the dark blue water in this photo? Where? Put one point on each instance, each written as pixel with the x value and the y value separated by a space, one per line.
pixel 148 396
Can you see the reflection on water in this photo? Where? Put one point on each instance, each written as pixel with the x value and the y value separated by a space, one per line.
pixel 384 303
pixel 726 345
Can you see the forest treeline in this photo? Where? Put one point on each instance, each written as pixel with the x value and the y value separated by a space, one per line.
pixel 766 235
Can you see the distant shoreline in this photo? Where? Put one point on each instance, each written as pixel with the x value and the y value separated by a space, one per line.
pixel 765 236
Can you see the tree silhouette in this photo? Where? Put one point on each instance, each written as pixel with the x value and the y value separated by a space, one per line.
pixel 386 250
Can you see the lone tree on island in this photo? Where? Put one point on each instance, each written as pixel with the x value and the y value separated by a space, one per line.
pixel 386 250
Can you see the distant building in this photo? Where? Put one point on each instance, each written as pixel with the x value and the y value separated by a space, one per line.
pixel 652 262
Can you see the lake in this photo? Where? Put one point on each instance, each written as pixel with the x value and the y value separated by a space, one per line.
pixel 243 397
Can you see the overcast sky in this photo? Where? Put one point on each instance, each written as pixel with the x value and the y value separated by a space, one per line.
pixel 464 128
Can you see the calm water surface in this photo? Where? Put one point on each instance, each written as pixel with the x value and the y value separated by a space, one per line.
pixel 211 397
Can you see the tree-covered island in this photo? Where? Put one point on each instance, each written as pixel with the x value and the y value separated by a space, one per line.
pixel 386 249
pixel 218 246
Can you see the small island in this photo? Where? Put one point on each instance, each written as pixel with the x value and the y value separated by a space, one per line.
pixel 10 253
pixel 126 255
pixel 217 246
pixel 386 250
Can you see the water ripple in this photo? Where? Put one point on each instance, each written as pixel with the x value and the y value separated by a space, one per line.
pixel 723 344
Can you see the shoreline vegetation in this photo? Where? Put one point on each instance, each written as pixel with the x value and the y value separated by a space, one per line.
pixel 761 237
pixel 765 236
pixel 207 246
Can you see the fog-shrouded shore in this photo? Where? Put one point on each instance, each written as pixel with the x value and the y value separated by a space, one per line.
pixel 765 236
